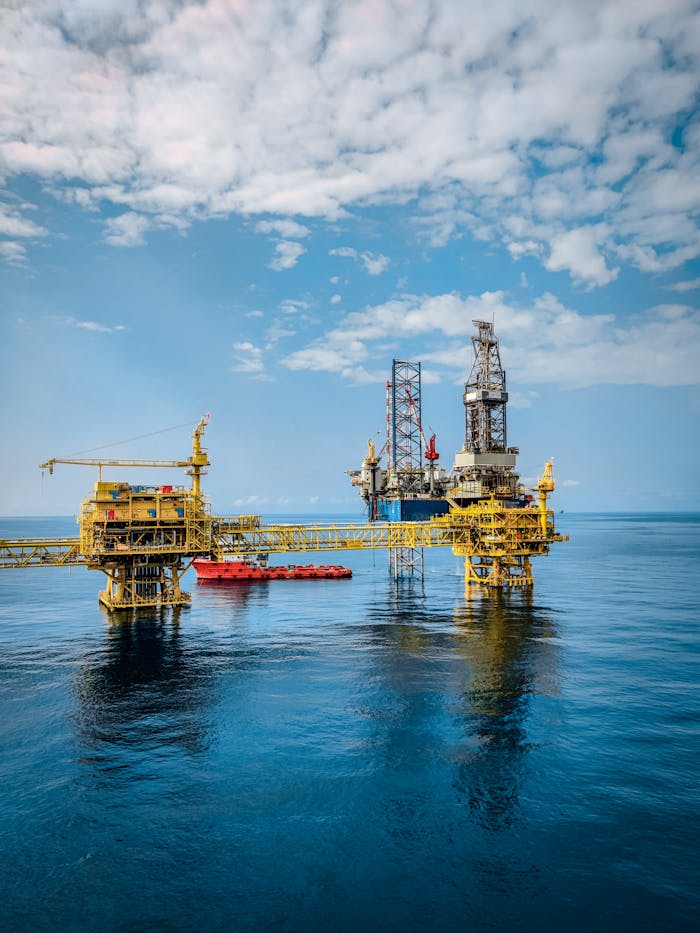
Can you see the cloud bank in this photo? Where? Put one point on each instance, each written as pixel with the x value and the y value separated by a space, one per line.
pixel 544 343
pixel 563 130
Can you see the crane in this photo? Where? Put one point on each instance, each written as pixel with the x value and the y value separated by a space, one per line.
pixel 196 462
pixel 140 536
pixel 431 454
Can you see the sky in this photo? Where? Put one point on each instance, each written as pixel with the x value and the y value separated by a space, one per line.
pixel 250 208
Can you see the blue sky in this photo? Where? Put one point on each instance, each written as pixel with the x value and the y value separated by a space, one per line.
pixel 251 208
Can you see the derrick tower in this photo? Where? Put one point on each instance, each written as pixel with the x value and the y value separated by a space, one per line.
pixel 404 445
pixel 404 451
pixel 486 491
pixel 485 394
pixel 485 465
pixel 408 490
pixel 412 486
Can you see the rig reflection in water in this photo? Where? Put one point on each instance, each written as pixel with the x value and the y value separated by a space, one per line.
pixel 510 646
pixel 460 686
pixel 146 695
pixel 454 686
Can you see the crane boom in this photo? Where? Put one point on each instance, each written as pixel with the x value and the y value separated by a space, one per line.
pixel 430 452
pixel 198 459
pixel 100 462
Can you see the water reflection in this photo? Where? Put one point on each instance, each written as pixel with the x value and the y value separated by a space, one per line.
pixel 460 685
pixel 404 616
pixel 219 595
pixel 510 648
pixel 145 695
pixel 414 675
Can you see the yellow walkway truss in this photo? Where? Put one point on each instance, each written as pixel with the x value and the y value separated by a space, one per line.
pixel 143 538
pixel 145 561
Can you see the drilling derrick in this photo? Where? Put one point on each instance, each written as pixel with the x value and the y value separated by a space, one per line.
pixel 485 394
pixel 404 453
pixel 408 490
pixel 485 465
pixel 506 528
pixel 404 440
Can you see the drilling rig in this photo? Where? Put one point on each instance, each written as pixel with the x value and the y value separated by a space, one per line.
pixel 501 524
pixel 506 526
pixel 407 490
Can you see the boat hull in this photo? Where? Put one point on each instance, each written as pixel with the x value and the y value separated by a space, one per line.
pixel 212 571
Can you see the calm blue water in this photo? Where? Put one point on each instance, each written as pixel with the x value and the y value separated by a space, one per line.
pixel 345 755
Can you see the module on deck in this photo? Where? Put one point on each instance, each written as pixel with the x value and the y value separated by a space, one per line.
pixel 139 536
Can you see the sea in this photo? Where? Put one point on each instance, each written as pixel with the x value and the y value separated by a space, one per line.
pixel 359 754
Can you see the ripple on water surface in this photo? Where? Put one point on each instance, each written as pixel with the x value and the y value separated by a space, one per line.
pixel 350 754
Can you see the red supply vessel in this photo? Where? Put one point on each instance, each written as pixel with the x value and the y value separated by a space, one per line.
pixel 246 571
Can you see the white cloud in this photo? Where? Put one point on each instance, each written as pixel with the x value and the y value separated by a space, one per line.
pixel 688 286
pixel 336 299
pixel 569 482
pixel 544 342
pixel 289 229
pixel 328 356
pixel 558 113
pixel 293 306
pixel 374 263
pixel 276 333
pixel 127 229
pixel 518 249
pixel 251 500
pixel 14 225
pixel 94 327
pixel 15 254
pixel 287 253
pixel 578 252
pixel 521 399
pixel 248 359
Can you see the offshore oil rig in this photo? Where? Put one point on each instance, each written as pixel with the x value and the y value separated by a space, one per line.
pixel 482 493
pixel 144 538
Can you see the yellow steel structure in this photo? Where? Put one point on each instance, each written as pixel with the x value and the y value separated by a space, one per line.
pixel 500 540
pixel 139 536
pixel 144 537
pixel 195 463
pixel 41 552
